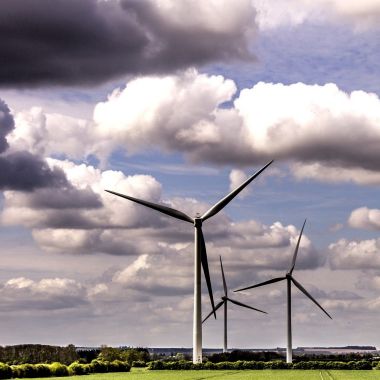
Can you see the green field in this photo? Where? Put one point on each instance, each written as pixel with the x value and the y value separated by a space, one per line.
pixel 142 374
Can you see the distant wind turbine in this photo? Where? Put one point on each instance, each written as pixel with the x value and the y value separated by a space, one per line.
pixel 289 279
pixel 200 254
pixel 224 301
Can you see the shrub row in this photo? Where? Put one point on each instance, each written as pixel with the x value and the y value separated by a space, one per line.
pixel 275 364
pixel 60 370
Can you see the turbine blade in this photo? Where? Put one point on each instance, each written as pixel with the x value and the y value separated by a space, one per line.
pixel 304 291
pixel 223 202
pixel 206 272
pixel 296 250
pixel 161 208
pixel 273 280
pixel 244 305
pixel 224 280
pixel 212 312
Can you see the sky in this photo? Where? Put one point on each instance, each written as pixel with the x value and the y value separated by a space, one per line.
pixel 178 102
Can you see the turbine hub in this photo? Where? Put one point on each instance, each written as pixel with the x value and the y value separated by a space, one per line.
pixel 197 221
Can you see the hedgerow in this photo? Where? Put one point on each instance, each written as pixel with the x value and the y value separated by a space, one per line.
pixel 60 370
pixel 246 365
pixel 5 371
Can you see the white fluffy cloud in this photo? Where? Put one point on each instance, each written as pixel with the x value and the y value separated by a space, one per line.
pixel 330 135
pixel 237 177
pixel 365 218
pixel 51 133
pixel 345 254
pixel 172 112
pixel 310 124
pixel 361 14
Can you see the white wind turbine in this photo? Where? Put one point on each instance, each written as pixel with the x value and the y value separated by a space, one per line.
pixel 200 254
pixel 224 301
pixel 289 279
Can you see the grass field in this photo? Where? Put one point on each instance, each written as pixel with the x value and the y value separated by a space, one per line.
pixel 142 374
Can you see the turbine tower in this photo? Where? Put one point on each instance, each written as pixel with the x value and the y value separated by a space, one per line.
pixel 289 280
pixel 224 301
pixel 200 254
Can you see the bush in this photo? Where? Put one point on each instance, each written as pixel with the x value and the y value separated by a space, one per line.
pixel 156 365
pixel 15 371
pixel 184 364
pixel 241 355
pixel 42 370
pixel 98 366
pixel 30 370
pixel 118 366
pixel 5 371
pixel 252 365
pixel 209 365
pixel 77 368
pixel 275 364
pixel 139 364
pixel 58 369
pixel 222 365
pixel 362 365
pixel 27 370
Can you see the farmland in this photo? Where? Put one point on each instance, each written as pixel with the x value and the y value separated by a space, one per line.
pixel 142 374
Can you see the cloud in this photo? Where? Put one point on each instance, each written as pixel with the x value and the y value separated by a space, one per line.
pixel 21 170
pixel 139 264
pixel 154 275
pixel 321 130
pixel 316 126
pixel 84 204
pixel 359 305
pixel 335 174
pixel 45 294
pixel 169 271
pixel 53 44
pixel 365 218
pixel 46 134
pixel 6 125
pixel 99 222
pixel 361 15
pixel 158 113
pixel 369 282
pixel 237 177
pixel 351 255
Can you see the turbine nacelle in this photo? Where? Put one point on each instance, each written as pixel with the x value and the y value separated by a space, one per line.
pixel 198 222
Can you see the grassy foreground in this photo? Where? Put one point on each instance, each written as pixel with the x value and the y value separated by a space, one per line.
pixel 143 374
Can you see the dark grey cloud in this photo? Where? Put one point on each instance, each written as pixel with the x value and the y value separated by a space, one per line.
pixel 67 197
pixel 25 172
pixel 6 125
pixel 70 42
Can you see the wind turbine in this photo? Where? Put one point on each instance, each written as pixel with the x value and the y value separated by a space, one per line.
pixel 289 280
pixel 224 301
pixel 200 254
